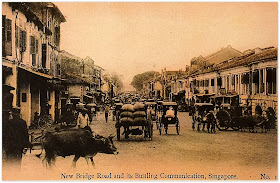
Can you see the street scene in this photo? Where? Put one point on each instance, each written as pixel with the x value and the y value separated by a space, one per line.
pixel 139 91
pixel 190 152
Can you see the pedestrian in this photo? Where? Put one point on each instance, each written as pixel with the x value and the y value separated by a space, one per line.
pixel 15 139
pixel 107 109
pixel 83 119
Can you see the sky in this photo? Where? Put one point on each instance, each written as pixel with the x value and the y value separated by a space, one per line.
pixel 130 38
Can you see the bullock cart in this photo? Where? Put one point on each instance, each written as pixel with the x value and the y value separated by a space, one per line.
pixel 135 121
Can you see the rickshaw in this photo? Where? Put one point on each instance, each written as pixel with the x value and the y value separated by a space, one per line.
pixel 165 120
pixel 204 114
pixel 92 111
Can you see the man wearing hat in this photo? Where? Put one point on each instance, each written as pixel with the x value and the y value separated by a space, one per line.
pixel 15 134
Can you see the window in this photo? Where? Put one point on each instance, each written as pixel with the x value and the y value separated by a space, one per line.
pixel 22 41
pixel 44 55
pixel 256 79
pixel 32 45
pixel 57 36
pixel 271 80
pixel 207 83
pixel 6 36
pixel 212 82
pixel 33 49
pixel 261 81
pixel 219 81
pixel 233 80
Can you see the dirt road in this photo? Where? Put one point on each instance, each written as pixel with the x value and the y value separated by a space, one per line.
pixel 189 156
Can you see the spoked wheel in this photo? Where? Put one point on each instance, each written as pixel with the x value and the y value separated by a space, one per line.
pixel 45 121
pixel 223 120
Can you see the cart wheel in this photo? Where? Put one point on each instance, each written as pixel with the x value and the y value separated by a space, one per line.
pixel 118 134
pixel 45 121
pixel 223 120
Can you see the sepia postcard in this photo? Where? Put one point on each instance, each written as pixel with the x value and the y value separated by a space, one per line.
pixel 139 91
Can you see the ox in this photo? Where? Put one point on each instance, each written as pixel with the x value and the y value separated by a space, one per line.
pixel 80 143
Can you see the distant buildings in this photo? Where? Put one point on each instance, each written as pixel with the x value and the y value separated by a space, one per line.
pixel 251 74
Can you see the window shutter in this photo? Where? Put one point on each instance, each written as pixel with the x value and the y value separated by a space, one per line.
pixel 32 45
pixel 207 83
pixel 8 46
pixel 23 41
pixel 233 80
pixel 16 37
pixel 3 35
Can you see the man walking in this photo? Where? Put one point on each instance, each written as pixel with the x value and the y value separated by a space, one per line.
pixel 107 109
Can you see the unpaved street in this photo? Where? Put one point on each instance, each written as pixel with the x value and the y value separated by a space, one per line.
pixel 241 154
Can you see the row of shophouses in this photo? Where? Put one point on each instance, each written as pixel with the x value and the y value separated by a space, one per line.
pixel 32 63
pixel 252 75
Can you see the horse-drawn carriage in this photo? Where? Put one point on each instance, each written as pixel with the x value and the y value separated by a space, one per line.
pixel 169 117
pixel 204 114
pixel 135 121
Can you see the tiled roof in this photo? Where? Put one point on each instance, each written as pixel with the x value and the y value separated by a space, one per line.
pixel 265 55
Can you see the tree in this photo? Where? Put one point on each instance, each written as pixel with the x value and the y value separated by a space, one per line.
pixel 137 81
pixel 116 79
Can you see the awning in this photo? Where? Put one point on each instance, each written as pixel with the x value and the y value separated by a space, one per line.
pixel 37 73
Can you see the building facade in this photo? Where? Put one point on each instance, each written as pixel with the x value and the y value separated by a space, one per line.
pixel 252 76
pixel 30 42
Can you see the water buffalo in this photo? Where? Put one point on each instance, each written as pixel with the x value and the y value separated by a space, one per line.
pixel 80 143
